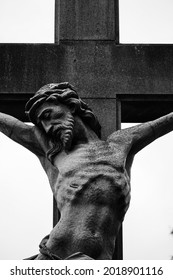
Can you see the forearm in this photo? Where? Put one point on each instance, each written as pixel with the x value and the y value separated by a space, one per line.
pixel 7 124
pixel 21 133
pixel 143 134
pixel 162 125
pixel 133 139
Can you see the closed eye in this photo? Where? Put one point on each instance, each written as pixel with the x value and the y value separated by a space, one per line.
pixel 59 114
pixel 45 115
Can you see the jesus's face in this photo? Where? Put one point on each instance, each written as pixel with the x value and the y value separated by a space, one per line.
pixel 57 121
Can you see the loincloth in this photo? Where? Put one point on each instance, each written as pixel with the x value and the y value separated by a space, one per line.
pixel 46 254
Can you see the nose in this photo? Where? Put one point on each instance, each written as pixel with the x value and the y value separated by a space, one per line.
pixel 46 126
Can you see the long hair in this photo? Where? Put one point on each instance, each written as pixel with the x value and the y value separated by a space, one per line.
pixel 63 93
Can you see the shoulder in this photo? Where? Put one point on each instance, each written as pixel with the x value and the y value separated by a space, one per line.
pixel 119 136
pixel 121 140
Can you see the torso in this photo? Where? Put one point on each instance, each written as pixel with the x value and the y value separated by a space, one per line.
pixel 92 194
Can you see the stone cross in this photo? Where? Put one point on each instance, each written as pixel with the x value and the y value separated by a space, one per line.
pixel 122 83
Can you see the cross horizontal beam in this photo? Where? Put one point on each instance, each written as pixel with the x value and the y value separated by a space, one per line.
pixel 98 69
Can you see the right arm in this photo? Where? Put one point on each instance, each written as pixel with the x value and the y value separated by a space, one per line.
pixel 28 136
pixel 135 138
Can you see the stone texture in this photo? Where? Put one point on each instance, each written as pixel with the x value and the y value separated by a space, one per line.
pixel 85 20
pixel 89 177
pixel 98 69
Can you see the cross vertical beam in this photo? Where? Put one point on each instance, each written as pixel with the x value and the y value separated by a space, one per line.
pixel 139 76
pixel 85 20
pixel 82 22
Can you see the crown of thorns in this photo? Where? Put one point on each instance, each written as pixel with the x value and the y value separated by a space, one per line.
pixel 63 93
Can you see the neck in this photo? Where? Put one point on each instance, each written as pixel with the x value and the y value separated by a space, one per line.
pixel 82 133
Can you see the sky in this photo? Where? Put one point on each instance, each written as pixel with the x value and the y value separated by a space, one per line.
pixel 146 21
pixel 25 196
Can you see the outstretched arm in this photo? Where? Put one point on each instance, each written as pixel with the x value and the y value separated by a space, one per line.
pixel 143 134
pixel 139 136
pixel 26 135
pixel 131 140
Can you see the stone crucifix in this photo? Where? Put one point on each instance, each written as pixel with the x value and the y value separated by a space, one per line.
pixel 89 178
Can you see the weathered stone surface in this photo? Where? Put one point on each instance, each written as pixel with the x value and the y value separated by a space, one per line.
pixel 89 177
pixel 98 69
pixel 85 20
pixel 107 112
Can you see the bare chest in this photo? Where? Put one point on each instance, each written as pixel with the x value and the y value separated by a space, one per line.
pixel 90 157
pixel 92 172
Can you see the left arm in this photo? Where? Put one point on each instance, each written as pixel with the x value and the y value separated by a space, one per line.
pixel 141 135
pixel 132 140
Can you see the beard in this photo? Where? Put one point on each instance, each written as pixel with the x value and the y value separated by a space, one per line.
pixel 61 138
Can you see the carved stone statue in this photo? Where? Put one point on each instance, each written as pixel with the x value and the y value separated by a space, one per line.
pixel 90 178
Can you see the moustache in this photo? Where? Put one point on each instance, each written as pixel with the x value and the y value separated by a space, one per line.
pixel 55 130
